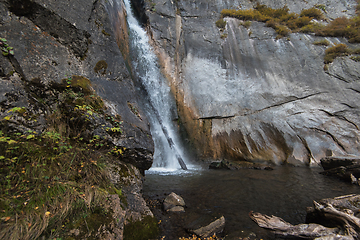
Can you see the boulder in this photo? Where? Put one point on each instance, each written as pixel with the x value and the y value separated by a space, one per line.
pixel 173 200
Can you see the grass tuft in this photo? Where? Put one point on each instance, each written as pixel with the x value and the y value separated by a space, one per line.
pixel 335 51
pixel 322 42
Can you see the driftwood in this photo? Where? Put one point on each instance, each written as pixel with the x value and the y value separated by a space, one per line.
pixel 285 229
pixel 340 211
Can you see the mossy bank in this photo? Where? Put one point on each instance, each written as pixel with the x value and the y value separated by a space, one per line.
pixel 72 147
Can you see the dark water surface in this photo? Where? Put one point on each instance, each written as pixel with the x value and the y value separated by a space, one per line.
pixel 284 192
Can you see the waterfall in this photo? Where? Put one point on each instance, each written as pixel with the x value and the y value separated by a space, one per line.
pixel 169 154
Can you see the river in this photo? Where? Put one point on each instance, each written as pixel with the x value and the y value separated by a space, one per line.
pixel 284 192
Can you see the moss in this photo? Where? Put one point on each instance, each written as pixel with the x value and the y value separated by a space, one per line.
pixel 101 67
pixel 81 82
pixel 142 230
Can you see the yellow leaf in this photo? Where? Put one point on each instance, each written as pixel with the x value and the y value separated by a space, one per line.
pixel 36 208
pixel 7 118
pixel 7 219
pixel 47 214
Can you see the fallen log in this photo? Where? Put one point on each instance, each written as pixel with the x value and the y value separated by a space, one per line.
pixel 286 230
pixel 350 223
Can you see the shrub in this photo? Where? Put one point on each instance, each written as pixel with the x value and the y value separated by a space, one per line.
pixel 298 22
pixel 282 31
pixel 323 42
pixel 340 27
pixel 312 13
pixel 337 28
pixel 311 28
pixel 335 51
pixel 221 23
pixel 272 13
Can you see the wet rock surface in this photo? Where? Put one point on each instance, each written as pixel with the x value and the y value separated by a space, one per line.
pixel 51 43
pixel 243 94
pixel 70 47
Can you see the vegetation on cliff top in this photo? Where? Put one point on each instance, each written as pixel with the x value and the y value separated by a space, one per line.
pixel 55 180
pixel 284 23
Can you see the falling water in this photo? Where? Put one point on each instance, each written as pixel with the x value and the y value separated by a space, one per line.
pixel 168 154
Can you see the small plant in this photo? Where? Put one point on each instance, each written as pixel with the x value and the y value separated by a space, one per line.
pixel 223 36
pixel 322 42
pixel 355 58
pixel 134 110
pixel 5 48
pixel 221 23
pixel 321 7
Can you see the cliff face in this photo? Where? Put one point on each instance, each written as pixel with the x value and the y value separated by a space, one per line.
pixel 244 94
pixel 55 40
pixel 68 100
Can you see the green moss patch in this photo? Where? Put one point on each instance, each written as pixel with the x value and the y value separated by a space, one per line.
pixel 101 67
pixel 142 230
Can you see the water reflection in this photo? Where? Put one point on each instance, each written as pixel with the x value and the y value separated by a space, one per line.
pixel 284 192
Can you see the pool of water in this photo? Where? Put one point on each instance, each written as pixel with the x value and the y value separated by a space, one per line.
pixel 284 192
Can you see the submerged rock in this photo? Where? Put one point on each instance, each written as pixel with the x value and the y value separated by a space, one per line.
pixel 236 165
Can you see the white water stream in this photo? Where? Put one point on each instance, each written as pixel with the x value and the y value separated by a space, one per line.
pixel 161 106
